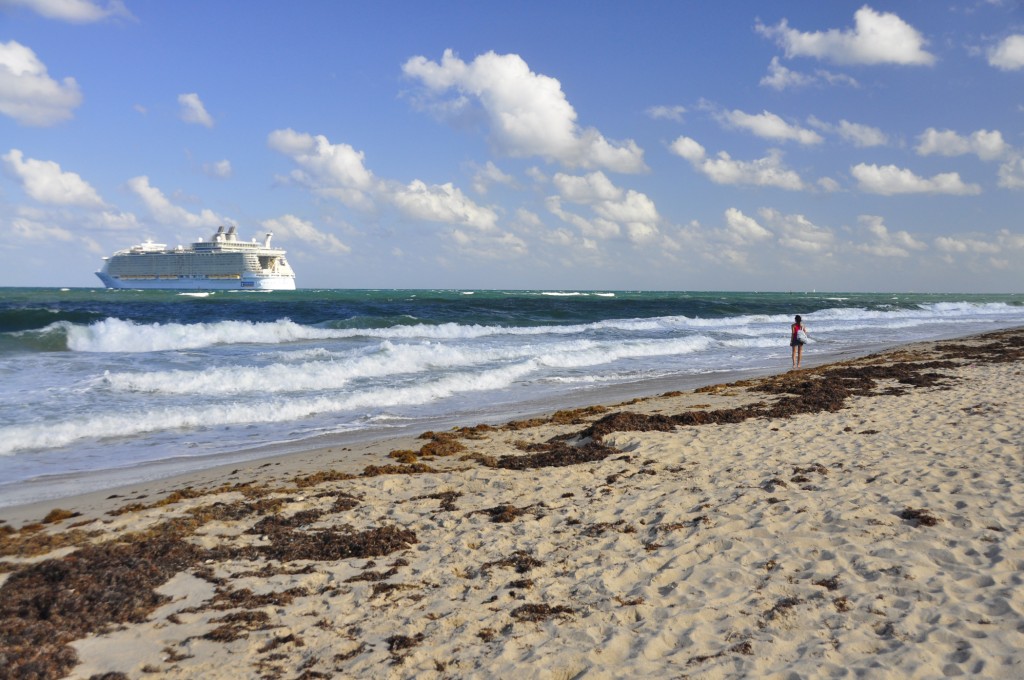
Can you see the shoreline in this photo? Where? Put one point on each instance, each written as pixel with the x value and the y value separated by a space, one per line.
pixel 860 516
pixel 38 493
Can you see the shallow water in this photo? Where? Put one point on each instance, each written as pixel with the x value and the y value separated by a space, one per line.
pixel 100 383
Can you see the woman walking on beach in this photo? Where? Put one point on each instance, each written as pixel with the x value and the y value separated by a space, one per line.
pixel 796 340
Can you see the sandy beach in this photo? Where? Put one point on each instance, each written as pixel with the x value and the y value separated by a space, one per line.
pixel 859 519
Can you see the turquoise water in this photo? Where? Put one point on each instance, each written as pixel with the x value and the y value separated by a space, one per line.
pixel 100 382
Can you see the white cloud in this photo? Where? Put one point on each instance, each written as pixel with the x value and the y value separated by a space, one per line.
pixel 884 243
pixel 594 229
pixel 857 134
pixel 615 210
pixel 334 170
pixel 73 11
pixel 489 175
pixel 112 220
pixel 799 233
pixel 877 38
pixel 742 229
pixel 45 182
pixel 988 145
pixel 441 203
pixel 722 169
pixel 889 180
pixel 165 212
pixel 28 94
pixel 781 78
pixel 220 169
pixel 770 126
pixel 667 113
pixel 1011 173
pixel 1008 55
pixel 29 225
pixel 337 171
pixel 828 185
pixel 193 111
pixel 500 246
pixel 529 114
pixel 862 135
pixel 690 149
pixel 292 228
pixel 948 244
pixel 588 189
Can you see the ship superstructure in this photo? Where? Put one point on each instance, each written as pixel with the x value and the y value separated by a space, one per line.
pixel 222 263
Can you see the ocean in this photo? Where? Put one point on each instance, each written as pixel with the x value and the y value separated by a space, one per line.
pixel 103 387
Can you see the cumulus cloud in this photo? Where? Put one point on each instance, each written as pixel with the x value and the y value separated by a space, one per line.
pixel 337 171
pixel 615 210
pixel 45 182
pixel 588 189
pixel 220 169
pixel 667 113
pixel 26 229
pixel 988 145
pixel 890 180
pixel 883 243
pixel 500 246
pixel 948 244
pixel 193 111
pixel 781 78
pixel 293 228
pixel 165 212
pixel 441 203
pixel 593 229
pixel 876 38
pixel 796 232
pixel 528 113
pixel 855 133
pixel 27 92
pixel 334 170
pixel 1008 55
pixel 489 175
pixel 73 11
pixel 1011 173
pixel 770 126
pixel 828 185
pixel 722 169
pixel 742 229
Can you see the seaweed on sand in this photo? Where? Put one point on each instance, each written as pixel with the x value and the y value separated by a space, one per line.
pixel 920 517
pixel 813 391
pixel 47 605
pixel 508 512
pixel 540 612
pixel 520 560
pixel 556 454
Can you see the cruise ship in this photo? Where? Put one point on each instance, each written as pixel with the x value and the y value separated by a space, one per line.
pixel 222 263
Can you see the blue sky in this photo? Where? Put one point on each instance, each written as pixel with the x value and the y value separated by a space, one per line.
pixel 561 145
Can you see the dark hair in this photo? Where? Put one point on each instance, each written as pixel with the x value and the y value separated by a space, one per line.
pixel 798 318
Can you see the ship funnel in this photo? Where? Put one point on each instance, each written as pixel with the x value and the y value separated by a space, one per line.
pixel 266 244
